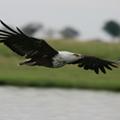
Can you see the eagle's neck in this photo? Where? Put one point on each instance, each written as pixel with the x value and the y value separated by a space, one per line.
pixel 64 57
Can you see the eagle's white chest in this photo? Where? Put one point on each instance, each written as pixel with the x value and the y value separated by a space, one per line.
pixel 63 58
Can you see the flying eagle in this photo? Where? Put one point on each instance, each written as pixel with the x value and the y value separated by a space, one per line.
pixel 38 52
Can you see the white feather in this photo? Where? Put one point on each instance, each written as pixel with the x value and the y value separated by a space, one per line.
pixel 64 57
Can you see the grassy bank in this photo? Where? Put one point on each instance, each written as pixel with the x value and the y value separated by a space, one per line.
pixel 66 77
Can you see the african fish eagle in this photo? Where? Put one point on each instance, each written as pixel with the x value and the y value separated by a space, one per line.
pixel 38 52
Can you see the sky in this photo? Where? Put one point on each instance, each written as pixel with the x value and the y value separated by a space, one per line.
pixel 87 16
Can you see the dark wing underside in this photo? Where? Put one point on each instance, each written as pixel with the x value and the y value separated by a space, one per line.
pixel 95 64
pixel 24 45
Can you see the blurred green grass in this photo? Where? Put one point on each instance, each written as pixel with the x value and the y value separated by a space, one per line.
pixel 67 77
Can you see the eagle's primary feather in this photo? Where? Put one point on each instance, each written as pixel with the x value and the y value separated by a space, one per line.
pixel 38 52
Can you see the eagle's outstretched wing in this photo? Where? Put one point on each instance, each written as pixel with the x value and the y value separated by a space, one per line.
pixel 24 45
pixel 95 64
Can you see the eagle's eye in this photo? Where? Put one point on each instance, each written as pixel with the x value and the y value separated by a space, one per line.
pixel 77 55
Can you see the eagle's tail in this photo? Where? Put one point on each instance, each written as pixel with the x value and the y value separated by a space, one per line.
pixel 29 62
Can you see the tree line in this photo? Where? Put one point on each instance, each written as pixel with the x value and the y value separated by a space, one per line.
pixel 67 32
pixel 111 27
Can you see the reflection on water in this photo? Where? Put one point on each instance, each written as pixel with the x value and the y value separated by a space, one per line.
pixel 57 104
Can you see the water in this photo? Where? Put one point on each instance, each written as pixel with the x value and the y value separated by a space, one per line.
pixel 57 104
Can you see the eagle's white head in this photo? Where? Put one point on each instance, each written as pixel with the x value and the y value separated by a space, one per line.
pixel 65 57
pixel 69 56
